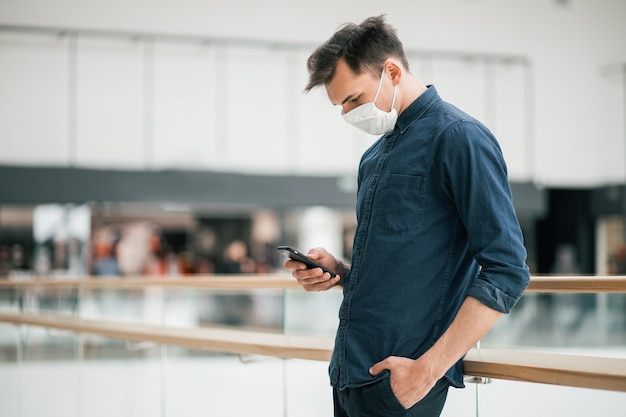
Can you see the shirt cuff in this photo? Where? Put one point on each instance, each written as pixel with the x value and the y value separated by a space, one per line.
pixel 492 296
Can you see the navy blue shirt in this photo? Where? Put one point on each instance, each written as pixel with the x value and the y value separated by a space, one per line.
pixel 436 224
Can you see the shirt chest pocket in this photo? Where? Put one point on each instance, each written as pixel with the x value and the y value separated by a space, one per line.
pixel 400 203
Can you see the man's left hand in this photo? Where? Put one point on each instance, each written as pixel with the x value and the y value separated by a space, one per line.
pixel 411 380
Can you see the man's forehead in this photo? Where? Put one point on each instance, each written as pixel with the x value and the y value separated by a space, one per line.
pixel 344 84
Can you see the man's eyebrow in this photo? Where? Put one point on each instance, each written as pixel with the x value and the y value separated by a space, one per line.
pixel 348 98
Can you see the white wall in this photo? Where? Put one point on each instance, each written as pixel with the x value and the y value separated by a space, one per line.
pixel 145 106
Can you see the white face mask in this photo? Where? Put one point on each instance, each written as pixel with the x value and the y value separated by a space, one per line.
pixel 370 118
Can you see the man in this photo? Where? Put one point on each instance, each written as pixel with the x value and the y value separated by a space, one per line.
pixel 438 253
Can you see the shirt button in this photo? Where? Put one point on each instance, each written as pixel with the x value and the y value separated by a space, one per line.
pixel 344 322
pixel 374 181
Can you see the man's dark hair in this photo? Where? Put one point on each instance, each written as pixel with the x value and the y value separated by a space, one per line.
pixel 364 47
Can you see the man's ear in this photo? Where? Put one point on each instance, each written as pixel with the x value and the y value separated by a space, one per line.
pixel 393 69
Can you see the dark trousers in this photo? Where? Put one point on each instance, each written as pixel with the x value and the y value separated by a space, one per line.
pixel 378 400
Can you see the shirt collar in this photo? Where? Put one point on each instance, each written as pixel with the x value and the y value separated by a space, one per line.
pixel 417 108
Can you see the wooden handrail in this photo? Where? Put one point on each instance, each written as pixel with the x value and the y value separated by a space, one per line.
pixel 548 368
pixel 577 284
pixel 538 367
pixel 548 283
pixel 203 338
pixel 220 282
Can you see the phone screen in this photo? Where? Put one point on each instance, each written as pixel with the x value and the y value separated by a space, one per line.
pixel 296 255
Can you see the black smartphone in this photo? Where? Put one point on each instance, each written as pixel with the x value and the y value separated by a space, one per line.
pixel 296 255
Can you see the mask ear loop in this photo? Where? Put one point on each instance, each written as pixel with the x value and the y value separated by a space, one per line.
pixel 393 99
pixel 380 84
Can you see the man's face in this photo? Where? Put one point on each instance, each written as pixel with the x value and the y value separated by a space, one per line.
pixel 349 90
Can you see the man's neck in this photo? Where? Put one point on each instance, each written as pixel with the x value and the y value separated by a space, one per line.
pixel 411 89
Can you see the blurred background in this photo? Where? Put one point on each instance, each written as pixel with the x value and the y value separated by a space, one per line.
pixel 173 138
pixel 182 127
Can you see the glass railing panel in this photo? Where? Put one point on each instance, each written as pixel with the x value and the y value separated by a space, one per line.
pixel 576 324
pixel 185 307
pixel 563 321
pixel 10 375
pixel 202 384
pixel 135 305
pixel 248 309
pixel 308 391
pixel 39 299
pixel 461 402
pixel 523 399
pixel 307 387
pixel 46 374
pixel 59 374
pixel 119 378
pixel 10 300
pixel 312 313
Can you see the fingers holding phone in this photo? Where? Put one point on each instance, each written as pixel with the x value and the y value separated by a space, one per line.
pixel 317 282
pixel 310 270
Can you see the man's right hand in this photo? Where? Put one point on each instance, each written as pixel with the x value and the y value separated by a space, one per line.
pixel 314 279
